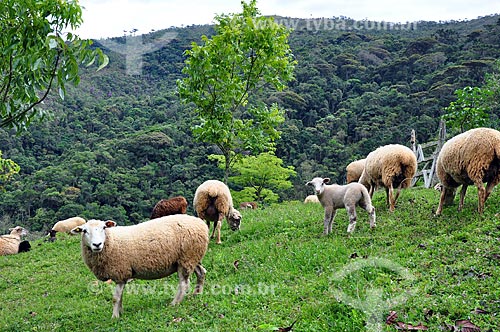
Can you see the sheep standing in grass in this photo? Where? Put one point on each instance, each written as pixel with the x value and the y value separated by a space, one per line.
pixel 390 166
pixel 334 196
pixel 213 202
pixel 311 199
pixel 150 250
pixel 167 207
pixel 248 205
pixel 65 226
pixel 354 170
pixel 472 157
pixel 9 244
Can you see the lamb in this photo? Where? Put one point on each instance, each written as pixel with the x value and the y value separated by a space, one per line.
pixel 334 196
pixel 354 170
pixel 212 202
pixel 167 207
pixel 9 244
pixel 248 205
pixel 472 157
pixel 311 199
pixel 65 226
pixel 390 166
pixel 150 250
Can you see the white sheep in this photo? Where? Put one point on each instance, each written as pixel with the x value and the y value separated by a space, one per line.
pixel 390 166
pixel 334 196
pixel 311 199
pixel 9 244
pixel 150 250
pixel 212 202
pixel 472 157
pixel 354 170
pixel 65 226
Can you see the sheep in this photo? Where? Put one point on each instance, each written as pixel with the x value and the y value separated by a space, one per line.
pixel 334 196
pixel 248 205
pixel 9 244
pixel 472 157
pixel 150 250
pixel 390 166
pixel 311 199
pixel 65 226
pixel 354 170
pixel 167 207
pixel 212 202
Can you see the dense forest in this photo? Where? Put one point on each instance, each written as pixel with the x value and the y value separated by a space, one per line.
pixel 120 141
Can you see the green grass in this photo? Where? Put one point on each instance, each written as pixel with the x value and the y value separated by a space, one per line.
pixel 439 269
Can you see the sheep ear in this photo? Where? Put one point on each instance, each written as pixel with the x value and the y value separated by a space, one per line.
pixel 326 180
pixel 76 230
pixel 110 223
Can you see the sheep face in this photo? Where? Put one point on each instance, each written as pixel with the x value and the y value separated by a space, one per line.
pixel 18 230
pixel 93 233
pixel 318 184
pixel 234 220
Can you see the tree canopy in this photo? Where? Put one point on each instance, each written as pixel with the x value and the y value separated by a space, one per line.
pixel 38 54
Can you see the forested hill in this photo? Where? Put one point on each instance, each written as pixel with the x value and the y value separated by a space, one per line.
pixel 121 140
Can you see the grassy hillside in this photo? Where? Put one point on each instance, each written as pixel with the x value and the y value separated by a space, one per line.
pixel 279 269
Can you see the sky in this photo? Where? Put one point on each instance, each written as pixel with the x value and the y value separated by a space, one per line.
pixel 111 18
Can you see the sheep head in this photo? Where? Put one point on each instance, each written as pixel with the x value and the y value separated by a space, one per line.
pixel 318 184
pixel 18 231
pixel 93 233
pixel 234 219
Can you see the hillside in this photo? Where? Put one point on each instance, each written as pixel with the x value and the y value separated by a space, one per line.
pixel 278 269
pixel 120 141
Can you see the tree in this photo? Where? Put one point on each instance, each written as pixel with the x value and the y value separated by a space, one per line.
pixel 8 169
pixel 247 53
pixel 38 54
pixel 259 176
pixel 469 110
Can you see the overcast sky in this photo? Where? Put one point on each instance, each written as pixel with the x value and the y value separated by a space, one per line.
pixel 110 18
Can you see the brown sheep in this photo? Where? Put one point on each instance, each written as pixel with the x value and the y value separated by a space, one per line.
pixel 167 207
pixel 248 205
pixel 472 157
pixel 354 170
pixel 213 202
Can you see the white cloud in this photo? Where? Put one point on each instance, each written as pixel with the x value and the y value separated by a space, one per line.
pixel 105 18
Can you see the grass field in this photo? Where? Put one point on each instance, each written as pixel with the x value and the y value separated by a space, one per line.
pixel 279 269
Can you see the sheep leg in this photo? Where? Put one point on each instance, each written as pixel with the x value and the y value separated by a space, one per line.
pixel 117 299
pixel 390 197
pixel 183 285
pixel 200 272
pixel 481 195
pixel 219 225
pixel 328 221
pixel 351 211
pixel 462 196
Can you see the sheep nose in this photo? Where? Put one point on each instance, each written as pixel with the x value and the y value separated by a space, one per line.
pixel 97 245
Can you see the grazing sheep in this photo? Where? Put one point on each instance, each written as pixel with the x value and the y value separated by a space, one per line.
pixel 334 196
pixel 354 170
pixel 213 202
pixel 390 166
pixel 65 226
pixel 9 244
pixel 167 207
pixel 472 157
pixel 248 205
pixel 150 250
pixel 311 199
